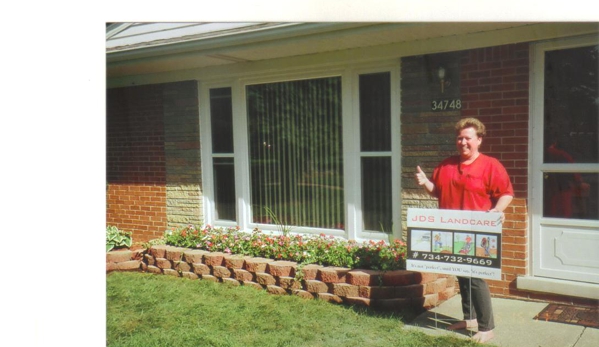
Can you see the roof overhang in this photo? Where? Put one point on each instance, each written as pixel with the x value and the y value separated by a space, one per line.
pixel 196 46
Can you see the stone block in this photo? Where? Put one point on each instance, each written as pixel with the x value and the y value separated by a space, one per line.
pixel 310 271
pixel 252 284
pixel 333 274
pixel 447 293
pixel 314 286
pixel 265 279
pixel 231 282
pixel 164 263
pixel 194 256
pixel 174 253
pixel 209 278
pixel 425 277
pixel 365 277
pixel 243 275
pixel 430 301
pixel 154 269
pixel 181 266
pixel 221 272
pixel 302 294
pixel 358 301
pixel 328 297
pixel 376 292
pixel 398 278
pixel 189 275
pixel 281 268
pixel 214 259
pixel 130 265
pixel 289 283
pixel 257 265
pixel 272 289
pixel 201 269
pixel 436 286
pixel 234 261
pixel 150 260
pixel 118 256
pixel 345 290
pixel 171 272
pixel 158 251
pixel 411 291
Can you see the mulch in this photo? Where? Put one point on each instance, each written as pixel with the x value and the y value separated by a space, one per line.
pixel 578 315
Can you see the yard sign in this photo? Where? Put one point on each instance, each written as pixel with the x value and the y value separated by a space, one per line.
pixel 455 242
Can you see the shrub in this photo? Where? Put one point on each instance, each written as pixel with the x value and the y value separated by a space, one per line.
pixel 304 249
pixel 116 238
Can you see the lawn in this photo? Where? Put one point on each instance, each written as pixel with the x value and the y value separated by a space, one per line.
pixel 156 310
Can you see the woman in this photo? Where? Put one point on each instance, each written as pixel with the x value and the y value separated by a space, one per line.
pixel 476 182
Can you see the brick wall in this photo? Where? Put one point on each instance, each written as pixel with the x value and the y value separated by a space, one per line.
pixel 136 193
pixel 395 290
pixel 153 158
pixel 492 84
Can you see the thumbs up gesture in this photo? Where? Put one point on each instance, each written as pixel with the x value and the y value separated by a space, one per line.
pixel 420 176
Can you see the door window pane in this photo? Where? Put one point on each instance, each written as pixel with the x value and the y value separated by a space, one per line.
pixel 376 194
pixel 571 106
pixel 295 148
pixel 375 112
pixel 571 195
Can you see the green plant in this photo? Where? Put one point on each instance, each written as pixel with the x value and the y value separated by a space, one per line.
pixel 117 238
pixel 303 249
pixel 285 229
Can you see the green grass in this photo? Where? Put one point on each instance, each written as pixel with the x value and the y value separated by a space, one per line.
pixel 156 310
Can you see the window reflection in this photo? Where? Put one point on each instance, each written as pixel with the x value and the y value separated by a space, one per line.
pixel 571 195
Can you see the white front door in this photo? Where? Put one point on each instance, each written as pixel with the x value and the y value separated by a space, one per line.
pixel 564 194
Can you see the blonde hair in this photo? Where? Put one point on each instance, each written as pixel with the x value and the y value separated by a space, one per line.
pixel 471 123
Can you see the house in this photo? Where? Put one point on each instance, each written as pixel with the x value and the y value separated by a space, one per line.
pixel 319 126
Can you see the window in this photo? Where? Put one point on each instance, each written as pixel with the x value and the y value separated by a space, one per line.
pixel 375 149
pixel 295 153
pixel 571 102
pixel 315 155
pixel 221 120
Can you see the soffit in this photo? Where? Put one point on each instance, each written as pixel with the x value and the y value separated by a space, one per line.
pixel 165 47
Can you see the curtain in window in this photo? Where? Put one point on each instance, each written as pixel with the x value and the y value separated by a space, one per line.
pixel 295 144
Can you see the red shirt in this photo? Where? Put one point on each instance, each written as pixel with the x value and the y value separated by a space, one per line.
pixel 474 187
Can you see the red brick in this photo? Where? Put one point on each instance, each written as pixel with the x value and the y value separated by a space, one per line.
pixel 181 266
pixel 243 275
pixel 289 283
pixel 118 256
pixel 310 271
pixel 315 286
pixel 398 278
pixel 174 253
pixel 302 294
pixel 365 277
pixel 358 301
pixel 413 290
pixel 333 274
pixel 272 289
pixel 214 259
pixel 282 268
pixel 201 269
pixel 329 298
pixel 265 279
pixel 163 263
pixel 234 261
pixel 194 256
pixel 257 264
pixel 221 272
pixel 377 292
pixel 345 290
pixel 189 275
pixel 425 277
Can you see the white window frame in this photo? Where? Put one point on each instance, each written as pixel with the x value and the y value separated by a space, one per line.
pixel 351 151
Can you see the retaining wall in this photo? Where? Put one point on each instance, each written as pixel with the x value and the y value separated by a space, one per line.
pixel 395 290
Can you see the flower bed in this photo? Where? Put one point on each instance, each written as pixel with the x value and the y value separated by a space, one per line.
pixel 313 267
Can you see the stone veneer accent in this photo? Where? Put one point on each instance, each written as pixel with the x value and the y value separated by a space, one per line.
pixel 395 290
